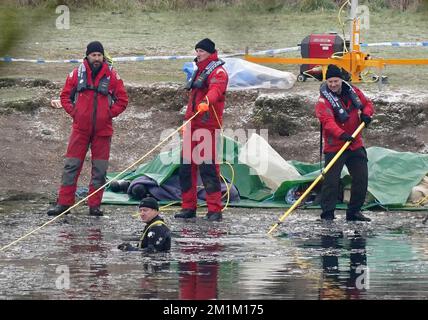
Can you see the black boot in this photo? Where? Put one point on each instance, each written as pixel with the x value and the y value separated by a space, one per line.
pixel 57 210
pixel 186 214
pixel 358 216
pixel 95 211
pixel 327 215
pixel 214 216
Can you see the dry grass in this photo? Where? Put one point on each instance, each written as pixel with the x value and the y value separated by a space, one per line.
pixel 175 32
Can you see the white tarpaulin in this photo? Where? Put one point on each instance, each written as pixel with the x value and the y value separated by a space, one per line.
pixel 244 75
pixel 268 164
pixel 248 75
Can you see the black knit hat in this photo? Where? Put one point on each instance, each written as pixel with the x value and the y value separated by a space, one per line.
pixel 206 44
pixel 94 46
pixel 333 71
pixel 149 202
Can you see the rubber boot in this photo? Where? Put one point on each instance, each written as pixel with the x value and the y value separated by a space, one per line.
pixel 95 211
pixel 186 214
pixel 214 216
pixel 327 215
pixel 57 210
pixel 358 216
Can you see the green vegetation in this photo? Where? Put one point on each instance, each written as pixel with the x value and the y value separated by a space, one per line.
pixel 247 5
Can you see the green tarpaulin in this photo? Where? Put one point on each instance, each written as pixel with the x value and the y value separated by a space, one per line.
pixel 392 175
pixel 250 186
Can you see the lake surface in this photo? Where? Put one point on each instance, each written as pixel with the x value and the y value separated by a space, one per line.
pixel 76 257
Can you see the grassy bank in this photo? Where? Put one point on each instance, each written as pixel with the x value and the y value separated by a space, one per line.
pixel 166 32
pixel 248 5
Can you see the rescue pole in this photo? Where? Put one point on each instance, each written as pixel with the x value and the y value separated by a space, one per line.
pixel 323 172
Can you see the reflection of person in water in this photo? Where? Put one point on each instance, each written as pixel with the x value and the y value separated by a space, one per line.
pixel 150 286
pixel 334 286
pixel 99 276
pixel 93 244
pixel 96 279
pixel 198 279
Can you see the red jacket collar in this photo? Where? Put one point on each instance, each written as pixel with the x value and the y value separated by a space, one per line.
pixel 213 57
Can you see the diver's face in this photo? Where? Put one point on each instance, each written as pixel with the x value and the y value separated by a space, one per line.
pixel 147 214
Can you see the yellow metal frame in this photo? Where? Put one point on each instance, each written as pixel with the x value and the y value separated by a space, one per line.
pixel 354 61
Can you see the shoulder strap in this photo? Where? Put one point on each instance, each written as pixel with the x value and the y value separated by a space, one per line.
pixel 356 102
pixel 213 65
pixel 335 103
pixel 82 82
pixel 202 78
pixel 156 223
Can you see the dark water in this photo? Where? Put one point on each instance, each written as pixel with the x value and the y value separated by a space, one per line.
pixel 76 257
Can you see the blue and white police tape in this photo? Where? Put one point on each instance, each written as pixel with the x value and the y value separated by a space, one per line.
pixel 116 59
pixel 149 58
pixel 257 53
pixel 275 51
pixel 40 60
pixel 396 44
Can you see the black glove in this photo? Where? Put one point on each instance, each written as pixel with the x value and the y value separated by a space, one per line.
pixel 346 137
pixel 366 119
pixel 150 249
pixel 124 246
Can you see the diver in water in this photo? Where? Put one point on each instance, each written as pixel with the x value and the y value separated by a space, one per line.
pixel 156 236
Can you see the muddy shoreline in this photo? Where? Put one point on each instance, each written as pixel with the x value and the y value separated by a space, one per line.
pixel 33 136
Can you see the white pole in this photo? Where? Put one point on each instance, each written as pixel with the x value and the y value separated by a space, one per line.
pixel 353 15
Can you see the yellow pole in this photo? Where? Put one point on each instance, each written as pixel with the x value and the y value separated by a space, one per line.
pixel 324 171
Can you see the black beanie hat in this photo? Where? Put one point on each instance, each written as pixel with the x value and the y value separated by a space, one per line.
pixel 149 202
pixel 206 44
pixel 333 71
pixel 94 46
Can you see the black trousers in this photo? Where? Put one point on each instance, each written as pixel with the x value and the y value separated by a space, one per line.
pixel 356 162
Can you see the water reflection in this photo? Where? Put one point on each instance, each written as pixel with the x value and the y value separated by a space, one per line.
pixel 93 278
pixel 92 239
pixel 149 285
pixel 228 260
pixel 346 284
pixel 198 280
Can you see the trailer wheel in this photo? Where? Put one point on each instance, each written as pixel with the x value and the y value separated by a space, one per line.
pixel 301 78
